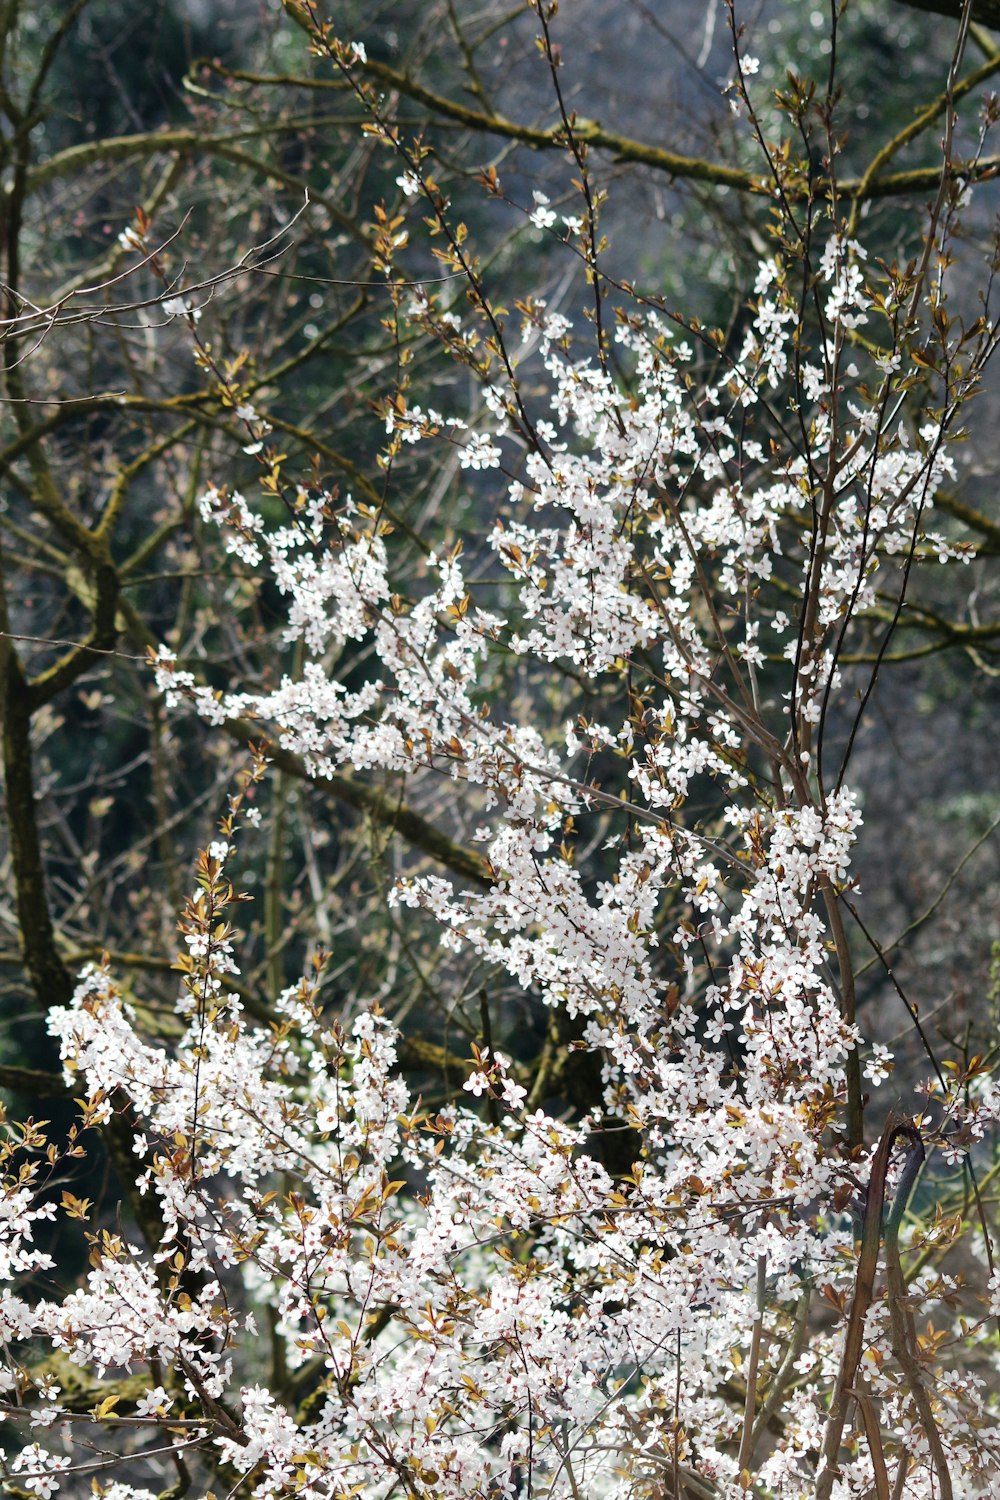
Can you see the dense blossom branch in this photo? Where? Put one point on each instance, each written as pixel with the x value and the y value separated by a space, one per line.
pixel 654 1266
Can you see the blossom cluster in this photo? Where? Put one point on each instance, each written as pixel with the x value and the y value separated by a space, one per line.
pixel 486 1300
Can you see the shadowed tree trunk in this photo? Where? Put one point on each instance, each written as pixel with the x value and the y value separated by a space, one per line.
pixel 986 12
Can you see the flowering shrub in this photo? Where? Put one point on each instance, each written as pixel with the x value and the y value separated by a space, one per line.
pixel 694 1285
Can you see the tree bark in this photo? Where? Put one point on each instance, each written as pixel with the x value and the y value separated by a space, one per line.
pixel 986 12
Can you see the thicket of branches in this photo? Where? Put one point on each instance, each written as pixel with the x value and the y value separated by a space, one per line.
pixel 502 599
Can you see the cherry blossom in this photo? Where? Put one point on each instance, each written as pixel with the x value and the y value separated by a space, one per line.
pixel 492 1299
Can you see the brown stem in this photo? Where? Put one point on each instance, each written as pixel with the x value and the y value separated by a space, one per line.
pixel 864 1287
pixel 902 1332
